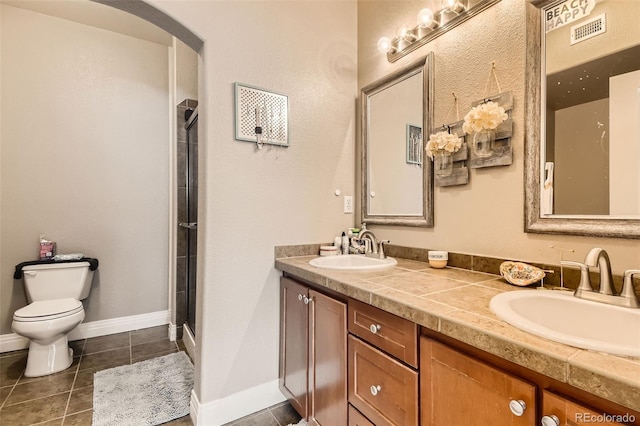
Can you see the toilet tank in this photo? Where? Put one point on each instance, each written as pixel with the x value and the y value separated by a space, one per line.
pixel 57 281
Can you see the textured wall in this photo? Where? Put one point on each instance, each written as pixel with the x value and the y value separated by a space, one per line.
pixel 253 200
pixel 487 215
pixel 85 158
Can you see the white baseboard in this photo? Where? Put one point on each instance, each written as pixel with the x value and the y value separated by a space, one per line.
pixel 189 341
pixel 173 332
pixel 13 342
pixel 232 407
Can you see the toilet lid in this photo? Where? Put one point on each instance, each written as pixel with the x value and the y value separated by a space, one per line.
pixel 48 309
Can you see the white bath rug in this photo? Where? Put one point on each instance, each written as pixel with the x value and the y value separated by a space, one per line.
pixel 145 393
pixel 300 423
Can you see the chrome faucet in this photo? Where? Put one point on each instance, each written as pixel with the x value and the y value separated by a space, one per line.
pixel 606 292
pixel 599 257
pixel 372 247
pixel 370 242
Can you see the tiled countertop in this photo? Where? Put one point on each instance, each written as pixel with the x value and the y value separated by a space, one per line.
pixel 455 302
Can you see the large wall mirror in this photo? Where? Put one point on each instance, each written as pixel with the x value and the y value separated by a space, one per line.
pixel 582 170
pixel 396 175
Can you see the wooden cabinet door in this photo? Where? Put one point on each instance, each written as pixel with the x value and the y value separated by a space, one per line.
pixel 456 389
pixel 327 361
pixel 294 344
pixel 570 413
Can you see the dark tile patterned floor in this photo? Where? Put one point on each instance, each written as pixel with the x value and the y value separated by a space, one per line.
pixel 279 415
pixel 66 398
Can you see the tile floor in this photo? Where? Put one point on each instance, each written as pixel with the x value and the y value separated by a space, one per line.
pixel 66 398
pixel 279 415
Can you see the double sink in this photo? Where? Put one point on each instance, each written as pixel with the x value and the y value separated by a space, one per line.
pixel 554 315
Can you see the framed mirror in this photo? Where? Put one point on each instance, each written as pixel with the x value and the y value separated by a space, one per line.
pixel 397 183
pixel 582 126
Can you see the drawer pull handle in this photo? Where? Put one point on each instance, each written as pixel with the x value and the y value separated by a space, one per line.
pixel 375 328
pixel 517 407
pixel 375 389
pixel 551 420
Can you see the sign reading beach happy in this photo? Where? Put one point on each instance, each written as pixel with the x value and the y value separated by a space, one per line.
pixel 566 12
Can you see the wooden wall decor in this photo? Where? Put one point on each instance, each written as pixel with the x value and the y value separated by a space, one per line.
pixel 502 151
pixel 460 174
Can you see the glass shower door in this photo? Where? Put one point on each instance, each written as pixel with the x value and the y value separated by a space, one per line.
pixel 192 219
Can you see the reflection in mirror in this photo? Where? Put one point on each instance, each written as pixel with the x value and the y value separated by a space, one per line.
pixel 583 127
pixel 397 183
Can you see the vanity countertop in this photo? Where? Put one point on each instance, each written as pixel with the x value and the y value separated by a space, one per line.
pixel 455 302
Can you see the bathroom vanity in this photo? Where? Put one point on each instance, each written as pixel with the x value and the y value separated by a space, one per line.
pixel 413 345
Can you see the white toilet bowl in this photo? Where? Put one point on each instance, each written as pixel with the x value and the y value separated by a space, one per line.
pixel 46 324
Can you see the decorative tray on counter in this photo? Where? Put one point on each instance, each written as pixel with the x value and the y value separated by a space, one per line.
pixel 520 274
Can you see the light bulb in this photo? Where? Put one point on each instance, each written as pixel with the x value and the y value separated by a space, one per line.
pixel 426 19
pixel 384 45
pixel 455 6
pixel 404 33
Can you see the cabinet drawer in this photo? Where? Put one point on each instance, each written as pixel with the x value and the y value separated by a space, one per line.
pixel 380 387
pixel 394 335
pixel 570 413
pixel 357 419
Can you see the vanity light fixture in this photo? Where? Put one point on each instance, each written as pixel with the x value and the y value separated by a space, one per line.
pixel 430 25
pixel 453 6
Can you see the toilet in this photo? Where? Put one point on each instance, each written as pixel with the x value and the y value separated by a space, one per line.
pixel 54 292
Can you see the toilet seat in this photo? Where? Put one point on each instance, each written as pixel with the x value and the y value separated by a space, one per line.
pixel 46 310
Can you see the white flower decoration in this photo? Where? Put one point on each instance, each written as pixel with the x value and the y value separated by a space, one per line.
pixel 442 141
pixel 486 116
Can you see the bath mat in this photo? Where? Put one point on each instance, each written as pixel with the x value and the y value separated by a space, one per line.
pixel 145 393
pixel 300 423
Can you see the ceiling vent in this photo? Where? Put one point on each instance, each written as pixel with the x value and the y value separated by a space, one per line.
pixel 588 29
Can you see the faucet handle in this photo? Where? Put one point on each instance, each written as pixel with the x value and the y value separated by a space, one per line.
pixel 628 291
pixel 585 280
pixel 381 244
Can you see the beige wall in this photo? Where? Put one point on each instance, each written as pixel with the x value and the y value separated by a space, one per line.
pixel 582 171
pixel 84 148
pixel 186 72
pixel 486 216
pixel 622 31
pixel 253 200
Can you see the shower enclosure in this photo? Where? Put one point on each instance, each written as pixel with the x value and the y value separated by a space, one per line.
pixel 187 215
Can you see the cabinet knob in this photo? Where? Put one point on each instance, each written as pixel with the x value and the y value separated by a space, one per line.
pixel 375 389
pixel 551 420
pixel 300 297
pixel 517 407
pixel 375 328
pixel 307 300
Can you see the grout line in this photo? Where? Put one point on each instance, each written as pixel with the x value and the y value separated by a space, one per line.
pixel 274 417
pixel 47 421
pixel 73 384
pixel 35 399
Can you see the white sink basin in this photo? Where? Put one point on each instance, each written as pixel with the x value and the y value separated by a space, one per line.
pixel 561 317
pixel 353 262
